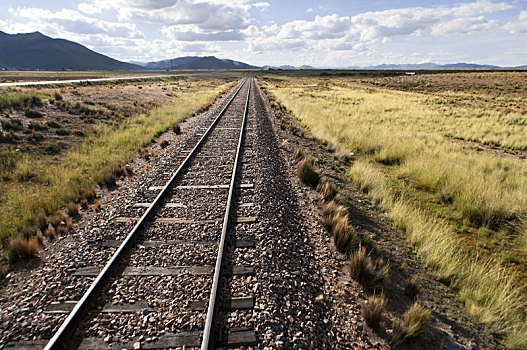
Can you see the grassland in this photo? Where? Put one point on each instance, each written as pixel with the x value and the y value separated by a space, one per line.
pixel 37 179
pixel 464 208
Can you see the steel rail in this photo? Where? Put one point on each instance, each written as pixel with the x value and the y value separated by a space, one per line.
pixel 210 312
pixel 61 337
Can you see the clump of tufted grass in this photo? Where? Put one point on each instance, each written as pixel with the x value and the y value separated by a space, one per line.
pixel 411 326
pixel 372 310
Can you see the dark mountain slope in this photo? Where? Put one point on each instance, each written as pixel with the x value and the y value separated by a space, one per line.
pixel 37 51
pixel 191 62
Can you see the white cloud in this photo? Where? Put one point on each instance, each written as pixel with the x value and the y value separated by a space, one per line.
pixel 74 22
pixel 309 10
pixel 89 8
pixel 465 26
pixel 261 4
pixel 208 15
pixel 519 26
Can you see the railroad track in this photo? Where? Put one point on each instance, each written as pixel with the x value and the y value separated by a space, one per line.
pixel 161 287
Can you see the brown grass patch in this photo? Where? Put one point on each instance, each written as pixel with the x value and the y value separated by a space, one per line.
pixel 72 208
pixel 411 288
pixel 372 310
pixel 411 326
pixel 21 248
pixel 362 269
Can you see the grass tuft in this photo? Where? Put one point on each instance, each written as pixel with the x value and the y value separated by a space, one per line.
pixel 305 170
pixel 362 269
pixel 344 235
pixel 411 288
pixel 299 154
pixel 164 144
pixel 372 310
pixel 176 129
pixel 21 248
pixel 329 212
pixel 72 208
pixel 411 326
pixel 327 191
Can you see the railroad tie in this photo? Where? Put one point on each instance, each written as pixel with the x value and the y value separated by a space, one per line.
pixel 168 271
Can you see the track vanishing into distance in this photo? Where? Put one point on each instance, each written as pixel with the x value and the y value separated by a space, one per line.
pixel 172 260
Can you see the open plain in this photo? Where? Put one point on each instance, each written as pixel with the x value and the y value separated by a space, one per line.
pixel 376 210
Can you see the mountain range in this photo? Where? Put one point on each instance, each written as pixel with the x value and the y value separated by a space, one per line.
pixel 35 51
pixel 195 62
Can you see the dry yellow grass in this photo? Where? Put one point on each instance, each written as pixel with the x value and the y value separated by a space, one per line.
pixel 54 183
pixel 408 164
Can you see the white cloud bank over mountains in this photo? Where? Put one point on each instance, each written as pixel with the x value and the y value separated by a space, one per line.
pixel 159 29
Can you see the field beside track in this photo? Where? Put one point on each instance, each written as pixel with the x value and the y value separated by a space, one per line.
pixel 444 156
pixel 58 142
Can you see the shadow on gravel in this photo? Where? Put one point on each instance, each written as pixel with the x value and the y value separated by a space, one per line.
pixel 291 277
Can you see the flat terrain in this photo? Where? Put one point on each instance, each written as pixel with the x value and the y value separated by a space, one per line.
pixel 431 183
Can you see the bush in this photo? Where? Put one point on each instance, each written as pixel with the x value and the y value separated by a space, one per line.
pixel 164 143
pixel 361 269
pixel 372 310
pixel 53 124
pixel 411 326
pixel 176 129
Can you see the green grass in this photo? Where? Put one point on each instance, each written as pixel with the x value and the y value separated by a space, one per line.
pixel 16 99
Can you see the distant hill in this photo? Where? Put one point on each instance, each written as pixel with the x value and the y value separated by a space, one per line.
pixel 194 62
pixel 36 51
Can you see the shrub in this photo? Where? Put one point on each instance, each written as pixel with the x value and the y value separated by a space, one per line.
pixel 21 248
pixel 57 96
pixel 3 271
pixel 72 209
pixel 372 310
pixel 62 132
pixel 361 269
pixel 96 206
pixel 305 170
pixel 41 221
pixel 411 326
pixel 50 233
pixel 108 179
pixel 164 143
pixel 27 232
pixel 411 288
pixel 33 114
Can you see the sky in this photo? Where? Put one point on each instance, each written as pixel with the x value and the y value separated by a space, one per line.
pixel 332 33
